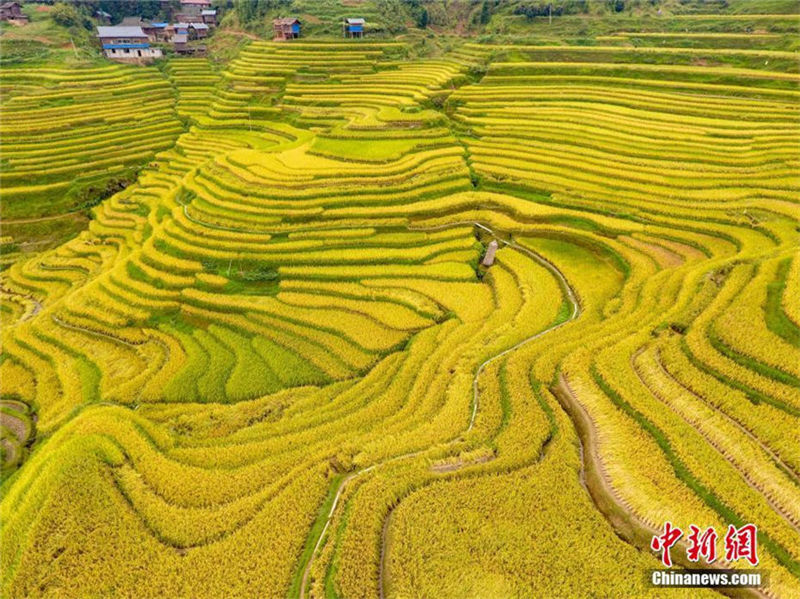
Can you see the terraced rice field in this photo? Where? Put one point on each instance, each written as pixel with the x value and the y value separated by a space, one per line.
pixel 273 366
pixel 71 135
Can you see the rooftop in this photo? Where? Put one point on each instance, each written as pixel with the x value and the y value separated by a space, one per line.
pixel 209 12
pixel 120 32
pixel 355 21
pixel 286 21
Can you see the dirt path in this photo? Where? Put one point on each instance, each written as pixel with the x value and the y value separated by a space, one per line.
pixel 249 36
pixel 37 305
pixel 332 511
pixel 86 331
pixel 40 219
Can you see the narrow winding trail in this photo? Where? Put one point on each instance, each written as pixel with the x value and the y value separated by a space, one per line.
pixel 475 402
pixel 37 305
pixel 40 219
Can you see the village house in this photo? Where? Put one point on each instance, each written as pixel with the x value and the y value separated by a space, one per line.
pixel 286 28
pixel 353 27
pixel 209 17
pixel 126 44
pixel 103 17
pixel 194 8
pixel 176 29
pixel 189 18
pixel 179 43
pixel 156 32
pixel 198 31
pixel 12 12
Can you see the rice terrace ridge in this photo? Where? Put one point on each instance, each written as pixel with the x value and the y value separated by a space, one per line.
pixel 392 299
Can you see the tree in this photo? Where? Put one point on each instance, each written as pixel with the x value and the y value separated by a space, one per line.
pixel 245 10
pixel 422 21
pixel 393 13
pixel 250 11
pixel 486 12
pixel 147 9
pixel 65 15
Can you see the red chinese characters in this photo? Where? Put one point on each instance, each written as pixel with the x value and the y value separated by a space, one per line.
pixel 741 544
pixel 665 542
pixel 702 545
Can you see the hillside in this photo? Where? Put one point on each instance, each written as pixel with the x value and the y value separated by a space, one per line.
pixel 269 351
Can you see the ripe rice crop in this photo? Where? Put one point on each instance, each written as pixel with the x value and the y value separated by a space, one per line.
pixel 276 365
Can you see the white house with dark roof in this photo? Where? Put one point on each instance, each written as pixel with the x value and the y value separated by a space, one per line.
pixel 127 44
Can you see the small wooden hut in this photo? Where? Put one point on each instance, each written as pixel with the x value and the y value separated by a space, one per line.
pixel 286 28
pixel 488 258
pixel 12 11
pixel 209 17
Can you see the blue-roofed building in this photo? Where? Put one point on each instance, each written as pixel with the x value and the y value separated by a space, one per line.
pixel 286 28
pixel 155 31
pixel 128 44
pixel 353 27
